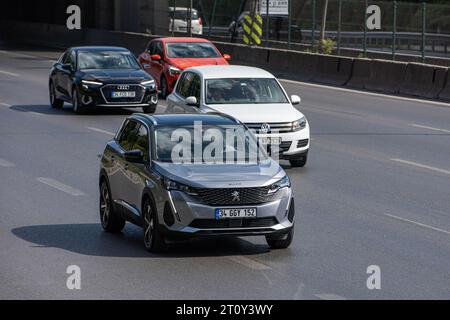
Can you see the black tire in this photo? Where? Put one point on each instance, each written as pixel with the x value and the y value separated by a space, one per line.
pixel 163 88
pixel 54 102
pixel 77 107
pixel 109 219
pixel 151 108
pixel 300 162
pixel 280 241
pixel 153 238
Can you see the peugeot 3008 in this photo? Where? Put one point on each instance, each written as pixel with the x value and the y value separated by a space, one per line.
pixel 101 76
pixel 153 174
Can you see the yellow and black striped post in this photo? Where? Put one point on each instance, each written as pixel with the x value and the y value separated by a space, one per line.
pixel 253 29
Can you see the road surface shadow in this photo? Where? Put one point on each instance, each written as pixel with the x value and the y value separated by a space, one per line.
pixel 67 110
pixel 89 239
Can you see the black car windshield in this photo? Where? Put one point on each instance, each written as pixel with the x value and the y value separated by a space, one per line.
pixel 191 50
pixel 106 60
pixel 183 14
pixel 214 144
pixel 244 90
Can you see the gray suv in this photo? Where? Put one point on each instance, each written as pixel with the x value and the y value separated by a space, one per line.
pixel 153 175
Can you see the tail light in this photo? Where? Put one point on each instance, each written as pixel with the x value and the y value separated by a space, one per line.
pixel 200 21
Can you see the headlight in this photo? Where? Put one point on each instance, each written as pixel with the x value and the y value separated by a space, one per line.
pixel 91 83
pixel 174 70
pixel 148 82
pixel 282 183
pixel 173 185
pixel 299 124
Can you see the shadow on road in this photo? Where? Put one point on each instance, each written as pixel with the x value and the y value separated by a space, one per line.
pixel 89 239
pixel 67 110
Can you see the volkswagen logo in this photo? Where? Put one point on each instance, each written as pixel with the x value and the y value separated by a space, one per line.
pixel 235 196
pixel 265 128
pixel 123 87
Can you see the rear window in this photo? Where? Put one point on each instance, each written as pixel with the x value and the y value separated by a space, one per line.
pixel 191 50
pixel 183 15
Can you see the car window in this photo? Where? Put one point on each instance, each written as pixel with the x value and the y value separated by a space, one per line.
pixel 159 49
pixel 183 88
pixel 70 59
pixel 195 87
pixel 142 142
pixel 63 57
pixel 191 50
pixel 129 135
pixel 150 47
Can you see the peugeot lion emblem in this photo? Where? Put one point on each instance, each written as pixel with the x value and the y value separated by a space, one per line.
pixel 265 128
pixel 235 196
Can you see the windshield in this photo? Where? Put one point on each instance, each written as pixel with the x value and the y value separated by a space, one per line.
pixel 106 60
pixel 211 144
pixel 191 50
pixel 183 14
pixel 243 90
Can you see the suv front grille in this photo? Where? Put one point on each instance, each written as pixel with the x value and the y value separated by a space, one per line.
pixel 227 196
pixel 279 127
pixel 234 223
pixel 109 88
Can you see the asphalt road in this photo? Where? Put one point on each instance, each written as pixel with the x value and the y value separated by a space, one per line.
pixel 376 191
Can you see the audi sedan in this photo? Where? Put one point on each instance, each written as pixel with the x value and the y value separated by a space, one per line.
pixel 193 175
pixel 89 77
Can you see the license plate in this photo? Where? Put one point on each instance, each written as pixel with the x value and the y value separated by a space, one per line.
pixel 123 94
pixel 271 140
pixel 231 213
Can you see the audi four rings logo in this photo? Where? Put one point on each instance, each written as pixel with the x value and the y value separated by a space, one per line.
pixel 265 128
pixel 235 196
pixel 123 87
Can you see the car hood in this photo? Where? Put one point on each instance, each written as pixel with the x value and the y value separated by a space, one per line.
pixel 184 63
pixel 256 113
pixel 222 175
pixel 108 75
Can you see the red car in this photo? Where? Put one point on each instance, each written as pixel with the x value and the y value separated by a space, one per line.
pixel 165 58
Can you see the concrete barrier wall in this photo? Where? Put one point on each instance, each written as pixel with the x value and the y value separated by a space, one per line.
pixel 423 80
pixel 386 76
pixel 445 92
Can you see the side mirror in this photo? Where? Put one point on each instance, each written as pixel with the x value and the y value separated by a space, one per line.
pixel 155 57
pixel 295 99
pixel 135 156
pixel 67 67
pixel 226 56
pixel 191 101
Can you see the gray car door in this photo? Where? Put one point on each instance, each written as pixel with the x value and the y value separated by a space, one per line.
pixel 125 143
pixel 135 173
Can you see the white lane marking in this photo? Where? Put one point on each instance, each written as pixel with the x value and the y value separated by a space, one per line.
pixel 4 163
pixel 417 223
pixel 329 296
pixel 423 166
pixel 10 73
pixel 5 104
pixel 101 131
pixel 429 128
pixel 60 186
pixel 249 263
pixel 366 93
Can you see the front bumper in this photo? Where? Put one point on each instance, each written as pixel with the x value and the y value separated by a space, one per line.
pixel 194 219
pixel 100 96
pixel 293 144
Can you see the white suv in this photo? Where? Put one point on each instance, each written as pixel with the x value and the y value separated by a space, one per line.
pixel 251 95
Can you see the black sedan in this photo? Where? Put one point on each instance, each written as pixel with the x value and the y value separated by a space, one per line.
pixel 101 76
